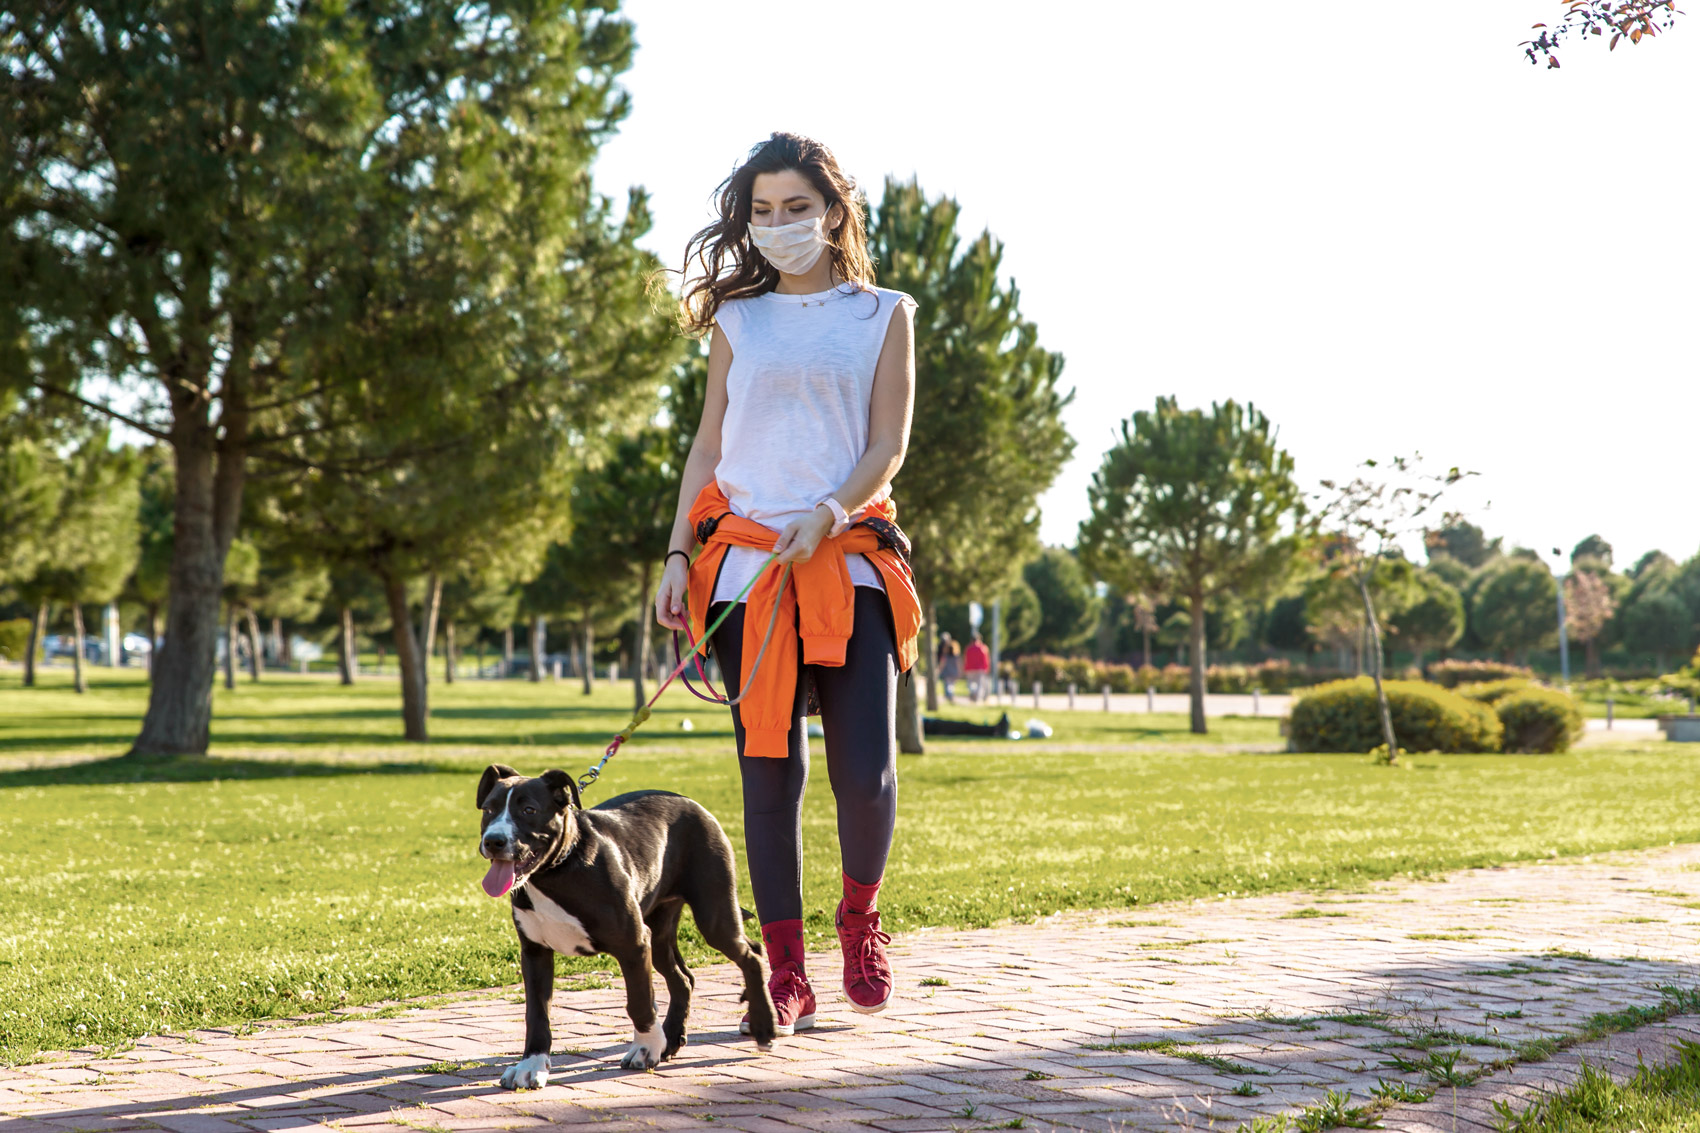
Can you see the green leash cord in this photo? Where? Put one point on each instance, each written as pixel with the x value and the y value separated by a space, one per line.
pixel 643 712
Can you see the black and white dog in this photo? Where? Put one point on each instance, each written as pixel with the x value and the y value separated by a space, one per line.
pixel 613 879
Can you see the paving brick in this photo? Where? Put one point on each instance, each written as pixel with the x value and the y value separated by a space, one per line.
pixel 1021 1000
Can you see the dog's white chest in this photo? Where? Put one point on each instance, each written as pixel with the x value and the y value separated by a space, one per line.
pixel 548 924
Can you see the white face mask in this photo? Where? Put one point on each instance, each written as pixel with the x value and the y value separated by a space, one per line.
pixel 792 248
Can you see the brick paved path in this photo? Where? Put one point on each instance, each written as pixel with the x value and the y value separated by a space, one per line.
pixel 1138 1020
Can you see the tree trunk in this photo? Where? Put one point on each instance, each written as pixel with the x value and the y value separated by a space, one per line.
pixel 1593 648
pixel 408 657
pixel 589 651
pixel 1145 643
pixel 507 651
pixel 280 644
pixel 1374 628
pixel 480 655
pixel 929 656
pixel 1196 660
pixel 908 716
pixel 348 661
pixel 38 628
pixel 428 621
pixel 539 638
pixel 449 651
pixel 378 661
pixel 255 652
pixel 153 635
pixel 1417 660
pixel 80 681
pixel 645 618
pixel 230 650
pixel 209 463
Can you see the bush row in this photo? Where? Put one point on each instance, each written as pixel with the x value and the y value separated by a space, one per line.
pixel 1511 716
pixel 1451 674
pixel 1056 673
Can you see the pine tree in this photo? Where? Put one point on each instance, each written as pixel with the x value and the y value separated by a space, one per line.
pixel 274 160
pixel 1202 505
pixel 988 436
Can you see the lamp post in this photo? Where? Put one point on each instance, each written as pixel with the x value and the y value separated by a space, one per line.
pixel 1563 634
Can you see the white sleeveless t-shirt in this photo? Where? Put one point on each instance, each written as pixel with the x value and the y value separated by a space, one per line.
pixel 797 398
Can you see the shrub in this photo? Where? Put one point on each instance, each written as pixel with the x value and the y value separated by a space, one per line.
pixel 14 638
pixel 1492 692
pixel 1451 674
pixel 1343 716
pixel 1120 678
pixel 1539 720
pixel 1082 672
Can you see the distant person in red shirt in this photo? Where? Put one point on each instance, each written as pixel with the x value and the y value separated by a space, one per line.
pixel 976 665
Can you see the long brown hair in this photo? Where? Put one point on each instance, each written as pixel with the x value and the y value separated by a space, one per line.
pixel 729 267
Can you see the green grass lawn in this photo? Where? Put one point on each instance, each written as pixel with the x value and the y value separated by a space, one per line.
pixel 1655 1099
pixel 315 859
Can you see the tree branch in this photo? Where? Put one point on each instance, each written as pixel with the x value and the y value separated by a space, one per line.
pixel 139 426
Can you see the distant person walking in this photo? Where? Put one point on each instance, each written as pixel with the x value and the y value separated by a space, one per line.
pixel 805 421
pixel 977 664
pixel 949 664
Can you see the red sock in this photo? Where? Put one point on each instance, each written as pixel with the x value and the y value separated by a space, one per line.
pixel 860 898
pixel 783 941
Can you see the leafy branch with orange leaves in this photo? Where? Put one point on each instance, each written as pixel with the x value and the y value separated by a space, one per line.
pixel 1636 19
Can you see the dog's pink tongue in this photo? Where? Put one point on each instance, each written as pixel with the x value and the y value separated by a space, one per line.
pixel 500 879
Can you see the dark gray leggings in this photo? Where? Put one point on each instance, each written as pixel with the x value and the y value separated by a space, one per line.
pixel 858 708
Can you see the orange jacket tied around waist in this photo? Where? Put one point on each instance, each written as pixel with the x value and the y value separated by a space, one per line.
pixel 817 599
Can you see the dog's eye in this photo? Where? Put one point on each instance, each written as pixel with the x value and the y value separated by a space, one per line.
pixel 530 810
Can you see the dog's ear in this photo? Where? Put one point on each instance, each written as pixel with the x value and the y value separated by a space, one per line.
pixel 562 786
pixel 492 774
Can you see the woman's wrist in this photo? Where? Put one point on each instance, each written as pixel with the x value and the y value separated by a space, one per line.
pixel 837 519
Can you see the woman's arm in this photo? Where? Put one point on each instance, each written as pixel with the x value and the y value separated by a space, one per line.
pixel 891 408
pixel 699 470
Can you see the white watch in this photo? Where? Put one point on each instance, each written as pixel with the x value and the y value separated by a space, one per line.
pixel 840 520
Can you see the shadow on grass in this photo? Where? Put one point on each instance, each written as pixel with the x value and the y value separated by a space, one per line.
pixel 204 769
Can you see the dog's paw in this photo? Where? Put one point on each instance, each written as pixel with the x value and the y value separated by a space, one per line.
pixel 674 1042
pixel 528 1074
pixel 647 1050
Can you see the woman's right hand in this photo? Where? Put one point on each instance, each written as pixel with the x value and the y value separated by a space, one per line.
pixel 670 598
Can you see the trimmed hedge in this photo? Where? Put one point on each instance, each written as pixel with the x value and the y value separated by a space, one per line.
pixel 1343 716
pixel 1451 674
pixel 1540 720
pixel 1055 673
pixel 1492 692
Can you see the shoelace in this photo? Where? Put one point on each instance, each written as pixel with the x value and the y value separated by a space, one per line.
pixel 787 981
pixel 869 946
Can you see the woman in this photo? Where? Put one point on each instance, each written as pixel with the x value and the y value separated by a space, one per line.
pixel 949 664
pixel 811 384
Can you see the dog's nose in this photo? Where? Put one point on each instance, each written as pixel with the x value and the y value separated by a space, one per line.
pixel 495 843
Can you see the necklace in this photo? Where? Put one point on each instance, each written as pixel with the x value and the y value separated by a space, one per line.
pixel 835 293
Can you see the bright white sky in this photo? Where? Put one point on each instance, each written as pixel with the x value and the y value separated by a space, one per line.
pixel 1382 226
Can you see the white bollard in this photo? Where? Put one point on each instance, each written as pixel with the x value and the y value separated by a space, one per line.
pixel 1150 699
pixel 1071 696
pixel 1610 705
pixel 1254 702
pixel 1035 695
pixel 613 671
pixel 1106 698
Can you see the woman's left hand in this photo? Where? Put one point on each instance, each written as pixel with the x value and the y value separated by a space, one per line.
pixel 798 541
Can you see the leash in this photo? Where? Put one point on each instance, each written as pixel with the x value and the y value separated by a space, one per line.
pixel 643 712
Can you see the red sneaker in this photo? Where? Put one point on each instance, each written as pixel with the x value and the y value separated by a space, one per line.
pixel 867 973
pixel 793 1001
